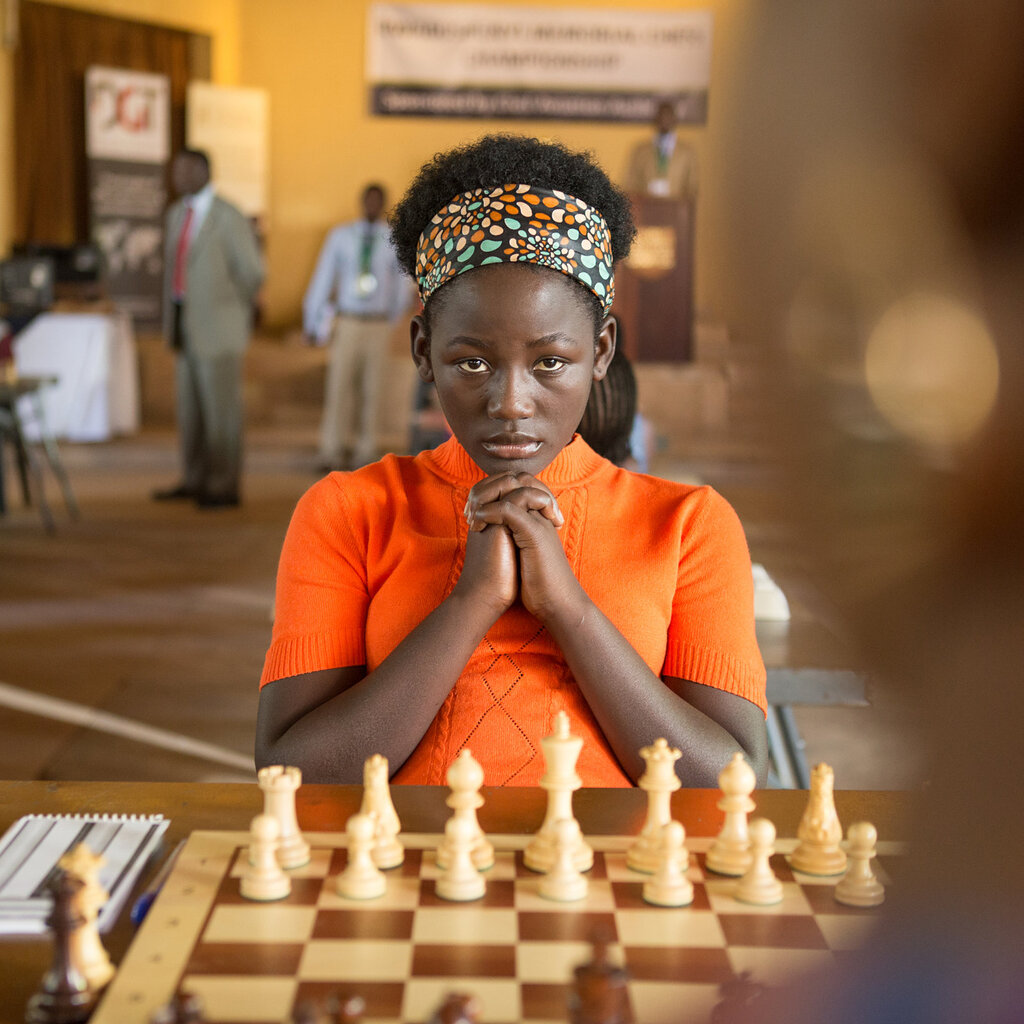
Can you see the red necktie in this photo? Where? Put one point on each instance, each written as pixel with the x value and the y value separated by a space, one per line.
pixel 181 253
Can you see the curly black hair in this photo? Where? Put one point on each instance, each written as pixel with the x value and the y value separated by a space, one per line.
pixel 508 159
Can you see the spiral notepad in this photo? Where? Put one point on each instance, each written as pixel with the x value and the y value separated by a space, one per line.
pixel 32 846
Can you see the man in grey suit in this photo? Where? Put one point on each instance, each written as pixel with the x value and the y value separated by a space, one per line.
pixel 212 273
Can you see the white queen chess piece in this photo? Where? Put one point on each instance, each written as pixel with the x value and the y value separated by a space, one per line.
pixel 660 781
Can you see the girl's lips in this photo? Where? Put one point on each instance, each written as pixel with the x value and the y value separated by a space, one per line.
pixel 519 448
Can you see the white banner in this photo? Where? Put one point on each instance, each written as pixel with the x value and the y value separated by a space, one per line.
pixel 231 125
pixel 126 115
pixel 539 62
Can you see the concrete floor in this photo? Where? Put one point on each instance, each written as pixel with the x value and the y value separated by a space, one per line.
pixel 158 615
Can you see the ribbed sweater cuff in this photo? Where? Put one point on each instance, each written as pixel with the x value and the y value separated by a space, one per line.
pixel 714 668
pixel 293 656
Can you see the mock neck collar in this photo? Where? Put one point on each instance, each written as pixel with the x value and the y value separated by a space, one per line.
pixel 574 464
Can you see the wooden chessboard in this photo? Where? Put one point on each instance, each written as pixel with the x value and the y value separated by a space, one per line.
pixel 514 950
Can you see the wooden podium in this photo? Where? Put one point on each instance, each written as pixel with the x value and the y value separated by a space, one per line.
pixel 654 287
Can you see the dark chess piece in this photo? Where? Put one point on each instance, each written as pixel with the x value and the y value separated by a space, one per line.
pixel 184 1008
pixel 599 992
pixel 64 996
pixel 457 1008
pixel 741 997
pixel 346 1009
pixel 306 1012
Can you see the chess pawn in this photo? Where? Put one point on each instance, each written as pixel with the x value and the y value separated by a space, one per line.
pixel 759 886
pixel 819 832
pixel 564 881
pixel 361 879
pixel 279 785
pixel 457 1008
pixel 263 878
pixel 346 1009
pixel 730 852
pixel 660 781
pixel 64 994
pixel 669 887
pixel 87 949
pixel 561 752
pixel 388 851
pixel 460 880
pixel 859 887
pixel 465 777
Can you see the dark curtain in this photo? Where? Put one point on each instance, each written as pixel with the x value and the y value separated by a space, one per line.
pixel 56 46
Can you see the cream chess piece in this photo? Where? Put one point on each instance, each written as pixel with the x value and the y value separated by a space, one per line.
pixel 279 785
pixel 465 777
pixel 564 881
pixel 361 879
pixel 660 781
pixel 460 880
pixel 759 885
pixel 561 751
pixel 819 832
pixel 388 851
pixel 669 886
pixel 263 878
pixel 859 887
pixel 730 852
pixel 88 953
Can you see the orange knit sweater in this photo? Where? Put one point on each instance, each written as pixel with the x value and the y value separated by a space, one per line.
pixel 370 554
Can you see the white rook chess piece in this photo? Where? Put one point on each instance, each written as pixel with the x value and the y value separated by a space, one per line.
pixel 465 777
pixel 819 832
pixel 564 881
pixel 460 879
pixel 660 781
pixel 88 952
pixel 859 887
pixel 730 852
pixel 669 886
pixel 759 885
pixel 263 878
pixel 361 879
pixel 561 752
pixel 279 785
pixel 388 851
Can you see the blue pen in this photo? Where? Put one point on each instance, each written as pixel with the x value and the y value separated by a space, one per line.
pixel 145 901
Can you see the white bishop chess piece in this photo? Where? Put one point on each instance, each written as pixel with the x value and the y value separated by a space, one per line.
pixel 660 781
pixel 465 777
pixel 279 785
pixel 730 852
pixel 819 832
pixel 859 887
pixel 561 752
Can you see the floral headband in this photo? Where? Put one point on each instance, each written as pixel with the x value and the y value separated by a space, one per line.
pixel 517 224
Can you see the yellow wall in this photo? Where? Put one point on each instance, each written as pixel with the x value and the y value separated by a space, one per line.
pixel 219 19
pixel 324 145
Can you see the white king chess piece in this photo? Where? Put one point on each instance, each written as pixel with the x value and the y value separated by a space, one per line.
pixel 660 781
pixel 279 785
pixel 561 751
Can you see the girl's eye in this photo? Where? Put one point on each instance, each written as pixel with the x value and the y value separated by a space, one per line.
pixel 473 365
pixel 551 363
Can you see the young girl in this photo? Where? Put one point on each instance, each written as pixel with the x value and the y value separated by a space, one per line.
pixel 462 597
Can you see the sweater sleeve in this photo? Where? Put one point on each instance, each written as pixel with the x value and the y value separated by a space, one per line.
pixel 321 599
pixel 711 638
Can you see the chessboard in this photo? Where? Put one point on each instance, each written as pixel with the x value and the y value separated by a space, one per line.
pixel 513 950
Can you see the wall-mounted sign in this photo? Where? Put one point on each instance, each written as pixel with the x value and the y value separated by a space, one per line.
pixel 581 64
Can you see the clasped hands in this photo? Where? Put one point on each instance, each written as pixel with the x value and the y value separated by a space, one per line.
pixel 514 551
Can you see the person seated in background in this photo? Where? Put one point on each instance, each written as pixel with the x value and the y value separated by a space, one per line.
pixel 464 596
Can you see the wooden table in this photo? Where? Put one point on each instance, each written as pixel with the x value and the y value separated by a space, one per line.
pixel 191 806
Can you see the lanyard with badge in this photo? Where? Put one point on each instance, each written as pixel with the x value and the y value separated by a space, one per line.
pixel 366 283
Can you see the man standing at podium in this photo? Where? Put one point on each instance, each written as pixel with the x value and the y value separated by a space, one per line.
pixel 212 273
pixel 663 165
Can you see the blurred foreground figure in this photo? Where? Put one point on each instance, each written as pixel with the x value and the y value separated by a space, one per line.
pixel 879 155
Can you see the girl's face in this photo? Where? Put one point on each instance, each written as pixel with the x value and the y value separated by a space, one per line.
pixel 513 355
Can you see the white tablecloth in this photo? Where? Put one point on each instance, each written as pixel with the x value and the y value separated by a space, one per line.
pixel 93 357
